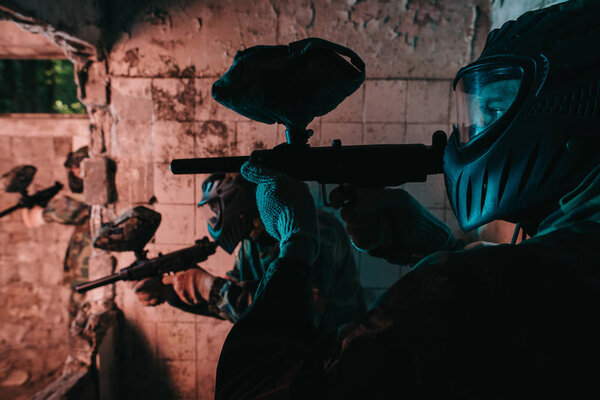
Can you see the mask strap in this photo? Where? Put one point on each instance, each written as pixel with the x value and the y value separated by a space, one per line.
pixel 515 234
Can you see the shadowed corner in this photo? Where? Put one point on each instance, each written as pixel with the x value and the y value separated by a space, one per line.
pixel 146 375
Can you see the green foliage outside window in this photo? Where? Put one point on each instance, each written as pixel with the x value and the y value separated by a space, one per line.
pixel 38 86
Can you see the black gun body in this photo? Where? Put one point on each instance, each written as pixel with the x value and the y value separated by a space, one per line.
pixel 39 198
pixel 172 262
pixel 360 166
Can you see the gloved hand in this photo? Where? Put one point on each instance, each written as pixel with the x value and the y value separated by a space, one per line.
pixel 149 291
pixel 287 210
pixel 391 224
pixel 193 285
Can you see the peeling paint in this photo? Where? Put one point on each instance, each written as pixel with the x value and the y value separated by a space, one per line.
pixel 213 128
pixel 131 58
pixel 174 101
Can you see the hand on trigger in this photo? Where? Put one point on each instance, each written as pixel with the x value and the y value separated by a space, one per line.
pixel 390 223
pixel 193 285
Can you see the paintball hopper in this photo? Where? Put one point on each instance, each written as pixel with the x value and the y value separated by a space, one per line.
pixel 291 84
pixel 17 180
pixel 131 231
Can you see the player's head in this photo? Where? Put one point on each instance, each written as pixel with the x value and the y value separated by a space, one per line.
pixel 231 199
pixel 73 165
pixel 528 117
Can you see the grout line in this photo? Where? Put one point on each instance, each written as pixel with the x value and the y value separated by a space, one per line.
pixel 406 113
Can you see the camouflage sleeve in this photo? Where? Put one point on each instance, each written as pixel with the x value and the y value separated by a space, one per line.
pixel 235 273
pixel 66 210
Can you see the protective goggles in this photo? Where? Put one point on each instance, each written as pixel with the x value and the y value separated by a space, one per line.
pixel 484 93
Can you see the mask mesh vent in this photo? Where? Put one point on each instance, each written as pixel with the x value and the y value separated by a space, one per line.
pixel 469 198
pixel 457 193
pixel 484 188
pixel 582 102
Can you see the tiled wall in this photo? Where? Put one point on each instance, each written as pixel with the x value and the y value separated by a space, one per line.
pixel 33 298
pixel 159 70
pixel 160 79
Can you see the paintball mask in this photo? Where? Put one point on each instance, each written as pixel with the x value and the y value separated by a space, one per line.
pixel 18 179
pixel 528 116
pixel 290 84
pixel 130 231
pixel 74 159
pixel 232 202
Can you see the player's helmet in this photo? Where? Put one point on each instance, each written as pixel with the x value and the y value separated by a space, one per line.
pixel 74 159
pixel 232 201
pixel 528 116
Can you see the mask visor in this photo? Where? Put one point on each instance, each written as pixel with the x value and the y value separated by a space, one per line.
pixel 483 95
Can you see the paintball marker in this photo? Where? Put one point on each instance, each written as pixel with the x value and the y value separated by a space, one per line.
pixel 17 180
pixel 131 232
pixel 293 84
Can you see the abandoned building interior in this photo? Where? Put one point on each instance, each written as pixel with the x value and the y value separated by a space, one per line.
pixel 143 72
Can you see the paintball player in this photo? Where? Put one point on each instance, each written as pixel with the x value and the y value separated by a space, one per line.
pixel 69 209
pixel 335 284
pixel 502 321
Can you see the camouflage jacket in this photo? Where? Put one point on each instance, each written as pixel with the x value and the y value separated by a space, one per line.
pixel 70 210
pixel 336 289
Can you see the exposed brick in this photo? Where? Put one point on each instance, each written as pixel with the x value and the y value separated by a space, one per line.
pixel 96 181
pixel 94 92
